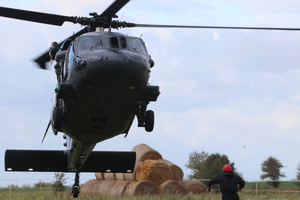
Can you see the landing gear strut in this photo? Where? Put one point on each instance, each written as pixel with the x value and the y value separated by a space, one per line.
pixel 76 187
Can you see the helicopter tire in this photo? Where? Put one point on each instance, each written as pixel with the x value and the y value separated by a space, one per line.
pixel 149 121
pixel 75 191
pixel 57 118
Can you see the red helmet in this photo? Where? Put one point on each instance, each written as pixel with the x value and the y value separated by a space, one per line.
pixel 227 168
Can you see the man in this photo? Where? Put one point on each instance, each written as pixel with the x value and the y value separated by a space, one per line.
pixel 229 184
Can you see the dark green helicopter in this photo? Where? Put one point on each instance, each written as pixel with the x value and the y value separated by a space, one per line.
pixel 102 84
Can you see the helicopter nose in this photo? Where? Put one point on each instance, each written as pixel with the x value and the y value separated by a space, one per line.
pixel 113 66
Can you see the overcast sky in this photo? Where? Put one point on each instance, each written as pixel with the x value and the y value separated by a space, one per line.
pixel 231 92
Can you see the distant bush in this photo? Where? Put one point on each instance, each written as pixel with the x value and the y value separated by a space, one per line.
pixel 59 182
pixel 42 184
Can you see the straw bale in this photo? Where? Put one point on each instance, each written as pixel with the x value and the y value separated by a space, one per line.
pixel 106 186
pixel 110 176
pixel 141 188
pixel 100 176
pixel 120 176
pixel 193 186
pixel 132 176
pixel 144 152
pixel 153 170
pixel 118 189
pixel 176 172
pixel 95 187
pixel 171 187
pixel 87 186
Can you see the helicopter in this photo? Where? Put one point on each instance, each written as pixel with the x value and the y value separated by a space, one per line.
pixel 102 85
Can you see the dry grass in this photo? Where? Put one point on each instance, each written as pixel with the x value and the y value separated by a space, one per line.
pixel 35 194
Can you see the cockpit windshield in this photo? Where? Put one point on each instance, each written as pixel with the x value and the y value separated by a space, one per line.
pixel 118 42
pixel 134 44
pixel 89 42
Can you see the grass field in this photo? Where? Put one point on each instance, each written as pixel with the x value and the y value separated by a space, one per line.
pixel 37 194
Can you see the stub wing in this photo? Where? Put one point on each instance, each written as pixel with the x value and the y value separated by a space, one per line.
pixel 57 161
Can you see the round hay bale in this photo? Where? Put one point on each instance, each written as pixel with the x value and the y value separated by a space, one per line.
pixel 144 152
pixel 141 188
pixel 176 172
pixel 120 176
pixel 132 176
pixel 87 186
pixel 153 170
pixel 95 188
pixel 171 187
pixel 105 187
pixel 118 189
pixel 100 176
pixel 193 186
pixel 110 176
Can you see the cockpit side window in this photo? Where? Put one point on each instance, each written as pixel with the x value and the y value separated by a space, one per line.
pixel 71 53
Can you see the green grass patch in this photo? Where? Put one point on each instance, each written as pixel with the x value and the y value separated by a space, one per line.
pixel 37 194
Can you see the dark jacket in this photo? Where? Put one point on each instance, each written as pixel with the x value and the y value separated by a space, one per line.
pixel 229 184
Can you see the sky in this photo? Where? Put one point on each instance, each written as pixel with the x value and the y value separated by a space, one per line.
pixel 232 92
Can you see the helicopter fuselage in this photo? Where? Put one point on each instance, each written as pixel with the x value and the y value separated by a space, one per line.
pixel 103 84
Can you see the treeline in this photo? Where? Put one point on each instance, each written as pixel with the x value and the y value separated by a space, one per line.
pixel 206 166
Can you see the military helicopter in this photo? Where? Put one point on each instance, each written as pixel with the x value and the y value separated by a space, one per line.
pixel 102 84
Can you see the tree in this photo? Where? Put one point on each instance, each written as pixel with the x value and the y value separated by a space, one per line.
pixel 298 172
pixel 271 168
pixel 205 166
pixel 59 182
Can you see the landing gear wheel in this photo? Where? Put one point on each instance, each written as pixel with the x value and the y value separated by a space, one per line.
pixel 149 121
pixel 75 191
pixel 76 188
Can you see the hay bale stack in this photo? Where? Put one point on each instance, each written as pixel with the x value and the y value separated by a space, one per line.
pixel 120 176
pixel 87 187
pixel 119 188
pixel 95 188
pixel 193 186
pixel 105 187
pixel 156 171
pixel 176 172
pixel 171 187
pixel 99 176
pixel 132 176
pixel 144 152
pixel 110 176
pixel 141 188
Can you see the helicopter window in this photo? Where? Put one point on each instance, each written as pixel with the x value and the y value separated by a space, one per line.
pixel 89 42
pixel 71 54
pixel 114 42
pixel 123 43
pixel 136 44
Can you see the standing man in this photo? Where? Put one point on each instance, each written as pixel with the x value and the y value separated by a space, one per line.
pixel 229 184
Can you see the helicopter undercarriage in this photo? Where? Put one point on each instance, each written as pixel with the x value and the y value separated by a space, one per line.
pixel 60 108
pixel 145 117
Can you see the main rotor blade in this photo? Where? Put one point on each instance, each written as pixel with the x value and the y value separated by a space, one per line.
pixel 46 130
pixel 213 27
pixel 38 17
pixel 114 8
pixel 41 60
